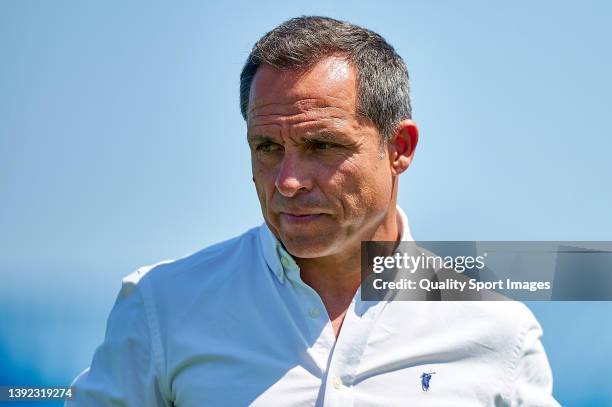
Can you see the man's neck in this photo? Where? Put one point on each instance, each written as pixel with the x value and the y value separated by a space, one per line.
pixel 336 278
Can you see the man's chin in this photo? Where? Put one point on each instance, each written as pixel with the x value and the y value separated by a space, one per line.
pixel 307 247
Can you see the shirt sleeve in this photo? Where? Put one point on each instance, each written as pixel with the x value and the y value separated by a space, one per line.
pixel 533 376
pixel 123 371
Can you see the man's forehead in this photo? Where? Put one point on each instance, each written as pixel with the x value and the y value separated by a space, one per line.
pixel 304 107
pixel 330 82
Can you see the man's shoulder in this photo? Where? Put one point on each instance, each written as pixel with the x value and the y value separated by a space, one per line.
pixel 491 327
pixel 502 325
pixel 217 260
pixel 504 313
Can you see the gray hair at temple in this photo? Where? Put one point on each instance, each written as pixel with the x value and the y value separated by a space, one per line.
pixel 382 78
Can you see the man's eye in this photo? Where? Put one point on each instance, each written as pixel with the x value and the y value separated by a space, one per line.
pixel 268 147
pixel 321 145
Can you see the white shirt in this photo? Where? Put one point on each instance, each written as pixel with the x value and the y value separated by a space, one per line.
pixel 234 325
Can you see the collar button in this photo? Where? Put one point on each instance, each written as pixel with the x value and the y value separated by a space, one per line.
pixel 285 262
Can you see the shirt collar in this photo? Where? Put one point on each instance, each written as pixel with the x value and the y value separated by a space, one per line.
pixel 402 221
pixel 282 264
pixel 274 253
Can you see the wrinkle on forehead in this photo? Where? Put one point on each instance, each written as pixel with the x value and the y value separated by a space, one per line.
pixel 294 115
pixel 298 105
pixel 300 129
pixel 328 87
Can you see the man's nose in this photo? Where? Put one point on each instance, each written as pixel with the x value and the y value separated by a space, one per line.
pixel 293 176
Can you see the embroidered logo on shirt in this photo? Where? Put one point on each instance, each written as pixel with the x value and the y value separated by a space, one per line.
pixel 425 378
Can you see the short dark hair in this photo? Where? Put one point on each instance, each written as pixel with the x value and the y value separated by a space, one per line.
pixel 382 78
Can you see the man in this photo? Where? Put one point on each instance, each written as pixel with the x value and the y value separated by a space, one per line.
pixel 275 316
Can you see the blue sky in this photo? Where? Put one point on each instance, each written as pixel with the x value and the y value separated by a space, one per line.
pixel 121 144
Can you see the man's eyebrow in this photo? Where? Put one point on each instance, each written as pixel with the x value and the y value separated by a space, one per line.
pixel 319 135
pixel 324 135
pixel 329 136
pixel 255 138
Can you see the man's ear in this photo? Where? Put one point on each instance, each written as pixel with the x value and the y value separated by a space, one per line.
pixel 402 146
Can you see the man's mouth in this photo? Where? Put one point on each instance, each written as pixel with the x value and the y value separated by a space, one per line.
pixel 300 218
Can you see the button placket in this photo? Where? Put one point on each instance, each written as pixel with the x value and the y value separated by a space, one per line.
pixel 347 354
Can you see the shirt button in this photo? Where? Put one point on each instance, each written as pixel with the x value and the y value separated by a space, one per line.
pixel 284 262
pixel 314 312
pixel 337 383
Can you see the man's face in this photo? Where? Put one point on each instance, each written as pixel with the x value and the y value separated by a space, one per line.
pixel 316 165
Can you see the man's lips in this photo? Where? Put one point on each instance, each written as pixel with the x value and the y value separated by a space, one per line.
pixel 300 217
